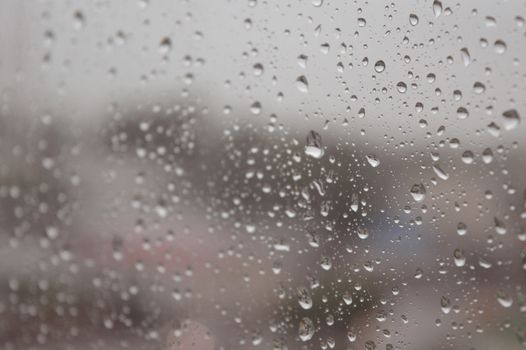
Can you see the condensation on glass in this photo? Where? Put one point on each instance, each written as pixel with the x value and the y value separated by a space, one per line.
pixel 296 174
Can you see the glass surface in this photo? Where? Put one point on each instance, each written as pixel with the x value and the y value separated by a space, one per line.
pixel 251 174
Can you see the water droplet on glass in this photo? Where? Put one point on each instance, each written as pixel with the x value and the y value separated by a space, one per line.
pixel 255 108
pixel 493 129
pixel 510 119
pixel 363 233
pixel 440 173
pixel 165 46
pixel 373 160
pixel 302 84
pixel 487 155
pixel 413 19
pixel 401 87
pixel 317 3
pixel 462 113
pixel 437 8
pixel 306 329
pixel 462 229
pixel 504 299
pixel 302 61
pixel 304 298
pixel 500 47
pixel 468 157
pixel 466 57
pixel 500 228
pixel 460 259
pixel 445 304
pixel 418 191
pixel 347 298
pixel 313 146
pixel 361 22
pixel 379 66
pixel 479 88
pixel 258 69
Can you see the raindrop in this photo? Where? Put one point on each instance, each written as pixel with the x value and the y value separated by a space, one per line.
pixel 487 155
pixel 302 84
pixel 510 119
pixel 255 108
pixel 500 47
pixel 258 69
pixel 500 228
pixel 347 298
pixel 165 46
pixel 467 157
pixel 418 191
pixel 302 61
pixel 363 233
pixel 317 3
pixel 493 129
pixel 440 173
pixel 413 19
pixel 466 57
pixel 373 160
pixel 445 304
pixel 437 8
pixel 460 258
pixel 401 87
pixel 313 146
pixel 379 66
pixel 504 299
pixel 306 329
pixel 462 113
pixel 304 298
pixel 479 88
pixel 462 229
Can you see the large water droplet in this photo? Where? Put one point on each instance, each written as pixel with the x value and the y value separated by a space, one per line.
pixel 379 66
pixel 466 57
pixel 413 19
pixel 302 84
pixel 306 329
pixel 401 87
pixel 437 8
pixel 304 298
pixel 313 146
pixel 510 119
pixel 418 191
pixel 440 173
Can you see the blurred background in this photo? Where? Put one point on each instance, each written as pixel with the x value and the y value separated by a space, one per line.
pixel 298 174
